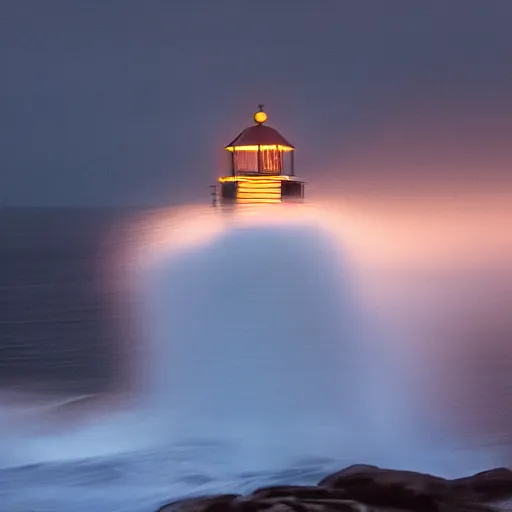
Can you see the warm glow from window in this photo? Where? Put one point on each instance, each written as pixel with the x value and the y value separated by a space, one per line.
pixel 253 179
pixel 262 147
pixel 268 191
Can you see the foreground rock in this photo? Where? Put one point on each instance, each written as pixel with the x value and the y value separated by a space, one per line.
pixel 365 489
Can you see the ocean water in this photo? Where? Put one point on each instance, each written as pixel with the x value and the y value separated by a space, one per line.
pixel 152 355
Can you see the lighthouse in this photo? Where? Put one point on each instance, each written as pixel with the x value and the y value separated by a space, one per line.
pixel 262 167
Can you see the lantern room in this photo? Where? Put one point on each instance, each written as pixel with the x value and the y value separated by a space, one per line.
pixel 261 166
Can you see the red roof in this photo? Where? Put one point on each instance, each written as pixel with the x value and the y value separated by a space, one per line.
pixel 260 135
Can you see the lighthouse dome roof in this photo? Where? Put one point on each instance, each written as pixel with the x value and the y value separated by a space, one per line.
pixel 259 135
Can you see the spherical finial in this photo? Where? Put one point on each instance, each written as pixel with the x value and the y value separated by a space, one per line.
pixel 260 117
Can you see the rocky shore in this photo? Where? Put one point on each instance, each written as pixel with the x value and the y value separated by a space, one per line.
pixel 365 488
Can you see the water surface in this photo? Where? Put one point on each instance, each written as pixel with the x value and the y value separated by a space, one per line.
pixel 147 355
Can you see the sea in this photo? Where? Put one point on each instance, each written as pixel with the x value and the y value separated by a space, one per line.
pixel 148 355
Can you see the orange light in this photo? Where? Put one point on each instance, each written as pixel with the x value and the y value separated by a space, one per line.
pixel 259 190
pixel 260 117
pixel 262 147
pixel 227 179
pixel 254 200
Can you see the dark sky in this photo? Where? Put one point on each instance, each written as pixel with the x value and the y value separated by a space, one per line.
pixel 124 102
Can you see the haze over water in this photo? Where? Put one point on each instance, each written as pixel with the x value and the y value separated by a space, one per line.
pixel 151 354
pixel 282 341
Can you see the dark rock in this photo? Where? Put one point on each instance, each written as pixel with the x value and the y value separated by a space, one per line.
pixel 221 503
pixel 363 488
pixel 294 504
pixel 355 469
pixel 492 485
pixel 385 477
pixel 389 488
pixel 291 491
